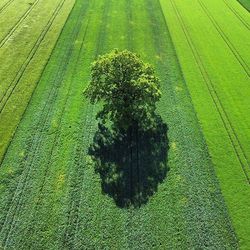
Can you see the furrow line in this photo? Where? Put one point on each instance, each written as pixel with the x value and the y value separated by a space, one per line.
pixel 218 105
pixel 189 158
pixel 73 217
pixel 226 39
pixel 33 139
pixel 20 73
pixel 14 28
pixel 56 138
pixel 5 5
pixel 243 21
pixel 34 147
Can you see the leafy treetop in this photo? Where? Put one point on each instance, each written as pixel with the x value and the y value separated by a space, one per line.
pixel 127 87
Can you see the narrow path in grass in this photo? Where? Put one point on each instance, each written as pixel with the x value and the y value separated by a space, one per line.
pixel 50 195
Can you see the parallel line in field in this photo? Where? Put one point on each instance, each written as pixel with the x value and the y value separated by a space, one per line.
pixel 5 5
pixel 75 71
pixel 57 136
pixel 20 73
pixel 1 159
pixel 226 122
pixel 24 183
pixel 55 140
pixel 73 214
pixel 243 21
pixel 189 157
pixel 14 28
pixel 60 75
pixel 226 39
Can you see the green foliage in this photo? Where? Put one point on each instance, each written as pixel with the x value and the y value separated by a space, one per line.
pixel 127 86
pixel 48 188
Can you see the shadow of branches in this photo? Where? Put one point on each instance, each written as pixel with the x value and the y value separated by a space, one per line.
pixel 130 163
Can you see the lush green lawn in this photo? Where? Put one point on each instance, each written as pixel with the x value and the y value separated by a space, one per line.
pixel 28 33
pixel 50 196
pixel 215 58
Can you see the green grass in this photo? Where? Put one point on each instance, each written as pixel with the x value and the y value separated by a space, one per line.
pixel 50 196
pixel 245 3
pixel 10 16
pixel 5 4
pixel 25 47
pixel 216 67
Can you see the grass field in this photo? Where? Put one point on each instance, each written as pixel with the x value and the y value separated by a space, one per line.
pixel 216 69
pixel 50 195
pixel 28 32
pixel 245 3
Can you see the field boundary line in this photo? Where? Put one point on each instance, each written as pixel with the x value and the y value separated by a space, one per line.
pixel 24 183
pixel 214 96
pixel 225 38
pixel 18 23
pixel 15 81
pixel 236 13
pixel 5 5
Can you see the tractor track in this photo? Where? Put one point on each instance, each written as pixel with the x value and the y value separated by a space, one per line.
pixel 189 154
pixel 57 136
pixel 226 39
pixel 242 20
pixel 18 23
pixel 36 140
pixel 10 89
pixel 73 219
pixel 238 149
pixel 5 5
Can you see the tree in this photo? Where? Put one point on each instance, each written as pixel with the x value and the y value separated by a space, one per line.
pixel 127 87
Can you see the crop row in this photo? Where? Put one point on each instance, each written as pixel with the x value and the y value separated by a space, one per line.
pixel 11 87
pixel 19 22
pixel 213 77
pixel 21 78
pixel 220 109
pixel 62 204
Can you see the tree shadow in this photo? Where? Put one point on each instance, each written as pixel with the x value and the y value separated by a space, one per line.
pixel 130 163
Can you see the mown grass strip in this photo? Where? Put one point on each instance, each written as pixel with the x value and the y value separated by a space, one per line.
pixel 14 28
pixel 172 96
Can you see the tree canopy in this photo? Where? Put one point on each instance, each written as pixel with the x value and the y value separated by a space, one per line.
pixel 127 87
